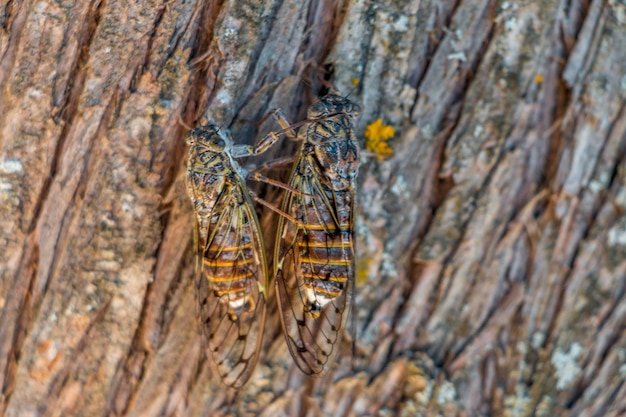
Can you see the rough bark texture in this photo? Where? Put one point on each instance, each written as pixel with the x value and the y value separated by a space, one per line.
pixel 491 245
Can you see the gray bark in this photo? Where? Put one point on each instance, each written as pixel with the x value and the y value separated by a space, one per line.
pixel 491 245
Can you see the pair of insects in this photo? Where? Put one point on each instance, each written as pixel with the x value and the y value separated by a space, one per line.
pixel 314 252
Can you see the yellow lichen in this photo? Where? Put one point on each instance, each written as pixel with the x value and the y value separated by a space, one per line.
pixel 538 78
pixel 376 136
pixel 355 81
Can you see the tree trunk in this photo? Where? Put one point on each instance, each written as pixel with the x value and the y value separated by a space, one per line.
pixel 491 245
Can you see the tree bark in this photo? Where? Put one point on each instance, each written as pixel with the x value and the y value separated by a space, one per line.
pixel 491 245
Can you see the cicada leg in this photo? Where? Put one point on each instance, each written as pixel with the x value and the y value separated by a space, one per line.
pixel 275 209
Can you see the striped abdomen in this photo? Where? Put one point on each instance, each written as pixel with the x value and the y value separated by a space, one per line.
pixel 325 249
pixel 229 262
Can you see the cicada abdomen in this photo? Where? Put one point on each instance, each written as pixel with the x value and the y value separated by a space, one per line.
pixel 231 268
pixel 314 257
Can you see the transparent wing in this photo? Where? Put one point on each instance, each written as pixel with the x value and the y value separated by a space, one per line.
pixel 231 282
pixel 314 269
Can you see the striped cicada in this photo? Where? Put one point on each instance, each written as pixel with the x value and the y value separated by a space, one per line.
pixel 314 257
pixel 231 277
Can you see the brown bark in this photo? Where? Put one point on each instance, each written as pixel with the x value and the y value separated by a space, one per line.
pixel 491 272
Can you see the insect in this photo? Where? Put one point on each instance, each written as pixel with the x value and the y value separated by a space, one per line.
pixel 231 275
pixel 314 258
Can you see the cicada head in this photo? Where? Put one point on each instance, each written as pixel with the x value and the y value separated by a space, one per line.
pixel 209 150
pixel 210 137
pixel 331 105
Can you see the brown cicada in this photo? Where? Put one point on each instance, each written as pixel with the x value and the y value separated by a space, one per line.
pixel 231 278
pixel 314 256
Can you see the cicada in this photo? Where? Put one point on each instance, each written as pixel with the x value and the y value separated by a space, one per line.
pixel 314 256
pixel 231 277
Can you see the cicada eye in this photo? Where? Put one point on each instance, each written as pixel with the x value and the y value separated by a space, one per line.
pixel 217 143
pixel 317 111
pixel 352 109
pixel 190 138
